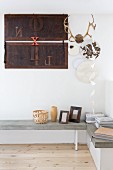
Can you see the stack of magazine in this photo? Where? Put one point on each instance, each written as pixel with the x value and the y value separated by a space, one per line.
pixel 103 121
pixel 104 133
pixel 90 118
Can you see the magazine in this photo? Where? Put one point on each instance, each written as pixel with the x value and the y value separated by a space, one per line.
pixel 104 120
pixel 107 124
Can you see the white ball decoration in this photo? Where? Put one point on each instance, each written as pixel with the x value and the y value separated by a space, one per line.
pixel 77 62
pixel 85 72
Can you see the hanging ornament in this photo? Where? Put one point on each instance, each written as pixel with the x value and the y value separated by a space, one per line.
pixel 85 72
pixel 77 62
pixel 73 48
pixel 92 102
pixel 90 49
pixel 85 69
pixel 92 82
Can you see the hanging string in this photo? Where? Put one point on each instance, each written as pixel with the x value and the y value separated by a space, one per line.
pixel 92 82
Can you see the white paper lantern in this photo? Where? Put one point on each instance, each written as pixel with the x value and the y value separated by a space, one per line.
pixel 77 62
pixel 85 72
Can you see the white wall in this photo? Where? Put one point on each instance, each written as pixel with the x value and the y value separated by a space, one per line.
pixel 63 6
pixel 24 90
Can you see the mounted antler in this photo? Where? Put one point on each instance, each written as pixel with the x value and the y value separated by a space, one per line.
pixel 67 30
pixel 91 24
pixel 79 38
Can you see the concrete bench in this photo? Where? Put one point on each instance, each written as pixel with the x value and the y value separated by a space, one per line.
pixel 30 125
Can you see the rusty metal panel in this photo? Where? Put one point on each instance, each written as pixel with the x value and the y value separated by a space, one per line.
pixel 45 55
pixel 22 27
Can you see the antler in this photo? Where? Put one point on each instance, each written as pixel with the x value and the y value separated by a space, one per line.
pixel 91 24
pixel 67 30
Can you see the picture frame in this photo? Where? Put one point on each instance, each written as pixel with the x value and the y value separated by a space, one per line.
pixel 75 114
pixel 64 117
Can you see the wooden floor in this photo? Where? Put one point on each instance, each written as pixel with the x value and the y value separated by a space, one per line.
pixel 45 157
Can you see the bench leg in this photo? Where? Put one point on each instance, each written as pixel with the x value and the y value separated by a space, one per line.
pixel 76 140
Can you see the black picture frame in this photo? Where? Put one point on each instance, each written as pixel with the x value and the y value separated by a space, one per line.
pixel 64 117
pixel 75 114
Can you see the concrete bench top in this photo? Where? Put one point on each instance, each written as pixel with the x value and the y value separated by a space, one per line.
pixel 98 143
pixel 31 125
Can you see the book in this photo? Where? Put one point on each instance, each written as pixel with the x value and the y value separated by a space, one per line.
pixel 104 133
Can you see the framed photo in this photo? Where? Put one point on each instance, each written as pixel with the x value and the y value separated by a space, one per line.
pixel 64 116
pixel 75 114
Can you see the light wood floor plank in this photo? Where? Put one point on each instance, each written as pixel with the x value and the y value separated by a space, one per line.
pixel 45 157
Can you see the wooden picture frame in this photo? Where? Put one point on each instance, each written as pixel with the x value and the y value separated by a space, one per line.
pixel 75 114
pixel 64 117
